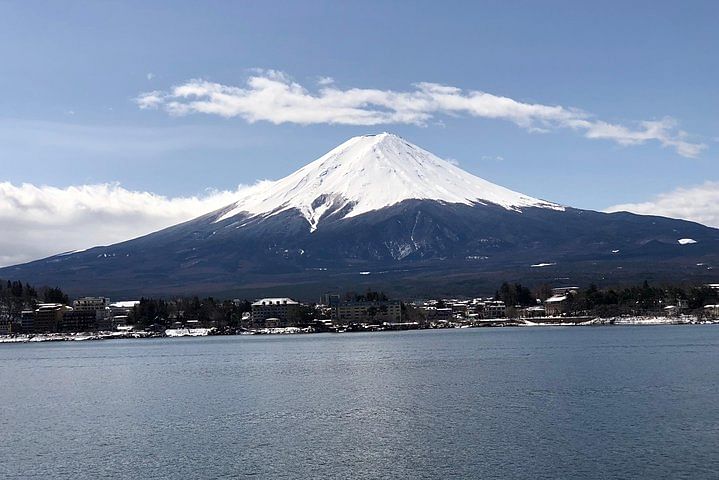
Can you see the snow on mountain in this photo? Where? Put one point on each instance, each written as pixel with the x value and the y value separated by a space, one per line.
pixel 371 172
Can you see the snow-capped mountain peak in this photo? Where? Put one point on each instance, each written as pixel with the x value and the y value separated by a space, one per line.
pixel 371 172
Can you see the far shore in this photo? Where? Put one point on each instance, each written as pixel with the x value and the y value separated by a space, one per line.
pixel 491 323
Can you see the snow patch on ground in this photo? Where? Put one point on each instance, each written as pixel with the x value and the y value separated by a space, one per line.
pixel 686 241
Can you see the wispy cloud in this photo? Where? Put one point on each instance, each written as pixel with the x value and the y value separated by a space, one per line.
pixel 39 221
pixel 699 204
pixel 272 96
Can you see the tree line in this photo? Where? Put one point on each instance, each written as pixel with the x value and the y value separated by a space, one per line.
pixel 16 296
pixel 613 301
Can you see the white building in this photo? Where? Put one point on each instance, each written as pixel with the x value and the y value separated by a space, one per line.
pixel 285 310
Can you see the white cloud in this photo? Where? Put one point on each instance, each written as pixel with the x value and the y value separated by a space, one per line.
pixel 151 99
pixel 39 221
pixel 699 204
pixel 272 96
pixel 150 76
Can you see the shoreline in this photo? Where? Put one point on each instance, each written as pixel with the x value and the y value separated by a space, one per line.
pixel 649 320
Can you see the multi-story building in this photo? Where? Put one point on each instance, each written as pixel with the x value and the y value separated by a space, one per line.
pixel 48 317
pixel 435 314
pixel 79 321
pixel 364 312
pixel 97 306
pixel 281 312
pixel 120 312
pixel 27 321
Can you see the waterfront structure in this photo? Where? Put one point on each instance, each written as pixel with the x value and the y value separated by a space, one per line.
pixel 48 317
pixel 91 304
pixel 284 312
pixel 120 311
pixel 493 309
pixel 79 321
pixel 555 305
pixel 84 307
pixel 389 311
pixel 435 314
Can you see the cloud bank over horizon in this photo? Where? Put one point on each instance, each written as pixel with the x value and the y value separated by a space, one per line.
pixel 699 204
pixel 39 221
pixel 274 97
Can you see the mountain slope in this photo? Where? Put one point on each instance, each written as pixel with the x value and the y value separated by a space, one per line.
pixel 378 211
pixel 369 173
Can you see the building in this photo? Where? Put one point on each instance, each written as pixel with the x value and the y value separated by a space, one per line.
pixel 78 321
pixel 286 311
pixel 565 290
pixel 86 306
pixel 27 321
pixel 533 312
pixel 5 321
pixel 435 314
pixel 48 317
pixel 91 304
pixel 493 309
pixel 556 305
pixel 120 312
pixel 389 311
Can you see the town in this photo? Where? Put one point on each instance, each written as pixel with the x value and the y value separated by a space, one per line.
pixel 29 315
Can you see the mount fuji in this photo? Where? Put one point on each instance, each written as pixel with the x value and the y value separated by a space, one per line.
pixel 378 211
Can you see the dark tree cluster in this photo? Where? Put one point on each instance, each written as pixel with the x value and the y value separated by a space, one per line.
pixel 641 299
pixel 368 296
pixel 16 296
pixel 207 311
pixel 515 295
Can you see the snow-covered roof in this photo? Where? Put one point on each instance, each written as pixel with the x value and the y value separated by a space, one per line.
pixel 370 172
pixel 275 301
pixel 125 304
pixel 556 299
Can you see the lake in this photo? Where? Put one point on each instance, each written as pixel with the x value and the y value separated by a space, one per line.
pixel 547 403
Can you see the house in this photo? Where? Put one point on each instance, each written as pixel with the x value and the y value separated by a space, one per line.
pixel 533 312
pixel 565 290
pixel 435 314
pixel 493 309
pixel 712 311
pixel 556 305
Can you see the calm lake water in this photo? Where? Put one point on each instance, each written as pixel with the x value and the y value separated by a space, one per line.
pixel 604 402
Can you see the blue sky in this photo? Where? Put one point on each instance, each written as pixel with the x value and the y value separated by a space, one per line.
pixel 73 71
